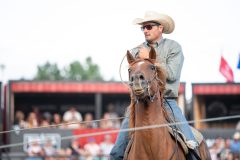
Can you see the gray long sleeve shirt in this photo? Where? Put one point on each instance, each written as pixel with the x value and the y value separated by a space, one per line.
pixel 170 56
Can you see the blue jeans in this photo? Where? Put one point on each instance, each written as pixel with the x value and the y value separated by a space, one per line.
pixel 121 143
pixel 118 150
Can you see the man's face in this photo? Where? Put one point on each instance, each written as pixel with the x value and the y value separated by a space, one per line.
pixel 152 31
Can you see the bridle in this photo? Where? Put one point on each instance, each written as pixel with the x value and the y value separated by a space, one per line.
pixel 148 82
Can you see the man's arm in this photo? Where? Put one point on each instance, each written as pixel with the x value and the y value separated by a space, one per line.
pixel 174 62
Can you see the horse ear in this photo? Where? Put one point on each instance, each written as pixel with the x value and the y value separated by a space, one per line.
pixel 152 54
pixel 130 58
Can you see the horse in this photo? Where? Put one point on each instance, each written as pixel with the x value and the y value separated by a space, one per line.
pixel 147 82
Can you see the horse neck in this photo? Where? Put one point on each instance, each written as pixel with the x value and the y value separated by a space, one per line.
pixel 148 112
pixel 150 142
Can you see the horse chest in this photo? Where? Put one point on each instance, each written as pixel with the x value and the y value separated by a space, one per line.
pixel 148 145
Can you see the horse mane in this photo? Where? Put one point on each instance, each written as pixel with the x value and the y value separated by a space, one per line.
pixel 161 78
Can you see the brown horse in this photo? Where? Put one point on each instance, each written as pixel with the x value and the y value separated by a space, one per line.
pixel 147 81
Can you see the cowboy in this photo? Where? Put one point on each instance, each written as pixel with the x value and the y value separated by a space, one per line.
pixel 170 56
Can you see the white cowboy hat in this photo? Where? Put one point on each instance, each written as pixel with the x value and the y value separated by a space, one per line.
pixel 236 135
pixel 151 16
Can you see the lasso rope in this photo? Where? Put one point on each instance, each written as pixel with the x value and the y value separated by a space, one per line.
pixel 132 129
pixel 120 73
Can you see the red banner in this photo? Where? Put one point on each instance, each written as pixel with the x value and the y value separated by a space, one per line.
pixel 88 134
pixel 226 70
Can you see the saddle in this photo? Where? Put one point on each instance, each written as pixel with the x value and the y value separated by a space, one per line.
pixel 181 139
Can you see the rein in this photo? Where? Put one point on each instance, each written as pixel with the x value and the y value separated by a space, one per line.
pixel 148 87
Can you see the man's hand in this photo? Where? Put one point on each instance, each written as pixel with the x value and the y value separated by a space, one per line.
pixel 143 53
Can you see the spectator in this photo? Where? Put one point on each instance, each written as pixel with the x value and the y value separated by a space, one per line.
pixel 106 146
pixel 88 121
pixel 235 145
pixel 47 116
pixel 92 149
pixel 225 153
pixel 37 113
pixel 57 121
pixel 214 151
pixel 44 123
pixel 106 122
pixel 114 116
pixel 74 150
pixel 46 119
pixel 72 116
pixel 35 151
pixel 49 150
pixel 19 120
pixel 220 143
pixel 32 121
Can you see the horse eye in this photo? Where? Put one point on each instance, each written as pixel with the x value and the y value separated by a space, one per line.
pixel 153 67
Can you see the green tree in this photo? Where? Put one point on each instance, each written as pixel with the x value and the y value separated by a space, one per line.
pixel 88 71
pixel 48 71
pixel 74 71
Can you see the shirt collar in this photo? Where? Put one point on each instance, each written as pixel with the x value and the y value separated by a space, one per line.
pixel 156 44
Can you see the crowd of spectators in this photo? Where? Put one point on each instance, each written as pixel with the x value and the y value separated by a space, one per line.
pixel 225 149
pixel 89 151
pixel 71 119
pixel 220 149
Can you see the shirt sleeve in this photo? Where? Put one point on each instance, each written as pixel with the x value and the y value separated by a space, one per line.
pixel 174 62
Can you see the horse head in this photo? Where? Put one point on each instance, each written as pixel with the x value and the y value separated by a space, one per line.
pixel 146 78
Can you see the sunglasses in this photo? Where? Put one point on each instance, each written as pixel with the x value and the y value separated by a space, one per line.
pixel 149 26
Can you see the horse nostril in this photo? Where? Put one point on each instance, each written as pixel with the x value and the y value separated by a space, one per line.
pixel 141 77
pixel 130 84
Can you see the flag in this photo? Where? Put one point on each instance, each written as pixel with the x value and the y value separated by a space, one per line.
pixel 226 70
pixel 238 66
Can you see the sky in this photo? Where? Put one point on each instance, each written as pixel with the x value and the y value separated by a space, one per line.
pixel 33 32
